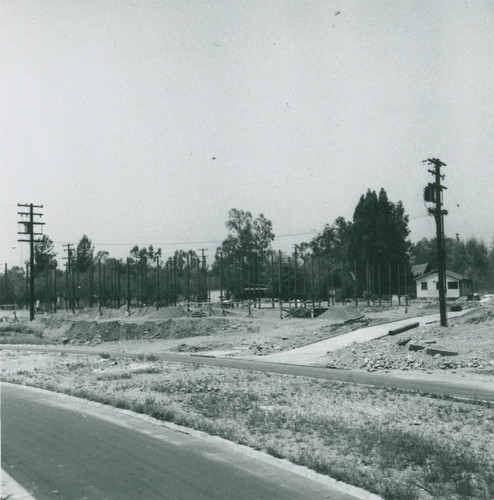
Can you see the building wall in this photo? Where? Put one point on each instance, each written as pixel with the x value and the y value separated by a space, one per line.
pixel 432 292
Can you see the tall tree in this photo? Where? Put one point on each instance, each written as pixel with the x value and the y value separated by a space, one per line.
pixel 379 230
pixel 477 261
pixel 84 254
pixel 246 233
pixel 149 253
pixel 44 253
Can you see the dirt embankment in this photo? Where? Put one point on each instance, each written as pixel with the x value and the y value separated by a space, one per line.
pixel 95 332
pixel 469 339
pixel 467 344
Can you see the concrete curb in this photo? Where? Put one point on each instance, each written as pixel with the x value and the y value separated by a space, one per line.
pixel 284 464
pixel 12 490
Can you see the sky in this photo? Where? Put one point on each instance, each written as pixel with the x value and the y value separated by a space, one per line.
pixel 145 122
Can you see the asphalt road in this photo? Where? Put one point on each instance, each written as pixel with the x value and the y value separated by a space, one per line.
pixel 60 448
pixel 430 384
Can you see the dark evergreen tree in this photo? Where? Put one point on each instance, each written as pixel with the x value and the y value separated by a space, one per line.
pixel 379 230
pixel 44 254
pixel 84 254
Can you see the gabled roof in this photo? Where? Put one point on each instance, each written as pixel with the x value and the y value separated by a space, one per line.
pixel 419 269
pixel 451 274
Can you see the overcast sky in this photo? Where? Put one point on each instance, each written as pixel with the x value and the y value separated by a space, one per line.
pixel 144 122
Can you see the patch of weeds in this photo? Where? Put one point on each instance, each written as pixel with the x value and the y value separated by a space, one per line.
pixel 23 339
pixel 76 365
pixel 148 369
pixel 19 328
pixel 275 451
pixel 172 386
pixel 114 376
pixel 154 409
pixel 210 405
pixel 105 355
pixel 152 357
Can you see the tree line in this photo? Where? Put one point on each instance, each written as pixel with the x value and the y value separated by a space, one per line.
pixel 370 254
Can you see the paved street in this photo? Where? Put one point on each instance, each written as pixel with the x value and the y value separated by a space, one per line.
pixel 60 447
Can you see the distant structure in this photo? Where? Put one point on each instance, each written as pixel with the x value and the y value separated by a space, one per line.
pixel 456 285
pixel 420 269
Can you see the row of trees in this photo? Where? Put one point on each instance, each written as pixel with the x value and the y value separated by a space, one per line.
pixel 369 253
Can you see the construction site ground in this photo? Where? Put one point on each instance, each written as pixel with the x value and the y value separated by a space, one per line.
pixel 467 344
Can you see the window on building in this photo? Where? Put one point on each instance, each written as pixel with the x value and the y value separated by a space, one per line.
pixel 423 284
pixel 452 285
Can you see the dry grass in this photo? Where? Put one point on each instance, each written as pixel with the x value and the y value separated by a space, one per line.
pixel 396 444
pixel 20 333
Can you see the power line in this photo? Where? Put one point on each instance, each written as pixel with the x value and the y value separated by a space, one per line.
pixel 433 193
pixel 31 230
pixel 203 242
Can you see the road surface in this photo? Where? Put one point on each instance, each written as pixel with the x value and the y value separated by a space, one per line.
pixel 474 387
pixel 59 447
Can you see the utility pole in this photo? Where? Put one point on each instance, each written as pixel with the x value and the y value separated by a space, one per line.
pixel 279 283
pixel 6 286
pixel 55 286
pixel 29 230
pixel 295 258
pixel 187 288
pixel 203 260
pixel 433 194
pixel 221 281
pixel 128 285
pixel 69 298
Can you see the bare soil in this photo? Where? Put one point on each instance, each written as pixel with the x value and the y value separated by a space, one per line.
pixel 468 341
pixel 397 444
pixel 465 346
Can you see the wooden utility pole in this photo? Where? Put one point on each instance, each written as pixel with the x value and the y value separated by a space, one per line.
pixel 99 285
pixel 55 287
pixel 379 279
pixel 279 283
pixel 157 283
pixel 5 301
pixel 242 276
pixel 399 283
pixel 433 193
pixel 203 260
pixel 272 281
pixel 187 288
pixel 295 258
pixel 128 284
pixel 91 284
pixel 389 283
pixel 221 280
pixel 29 230
pixel 68 290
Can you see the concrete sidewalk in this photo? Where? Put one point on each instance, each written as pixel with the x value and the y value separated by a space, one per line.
pixel 313 354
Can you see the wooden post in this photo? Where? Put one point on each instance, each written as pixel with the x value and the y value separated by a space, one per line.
pixel 399 284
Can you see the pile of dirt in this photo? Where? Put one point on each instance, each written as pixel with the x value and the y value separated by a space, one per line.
pixel 478 315
pixel 93 332
pixel 169 312
pixel 341 313
pixel 467 344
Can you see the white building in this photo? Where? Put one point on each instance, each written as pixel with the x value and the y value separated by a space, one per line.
pixel 456 285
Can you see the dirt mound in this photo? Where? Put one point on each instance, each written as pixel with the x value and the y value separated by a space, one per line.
pixel 341 313
pixel 169 312
pixel 94 331
pixel 476 316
